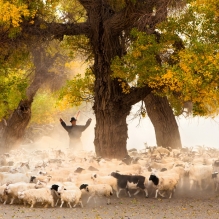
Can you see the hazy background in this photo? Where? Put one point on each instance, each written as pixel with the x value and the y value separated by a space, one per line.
pixel 193 132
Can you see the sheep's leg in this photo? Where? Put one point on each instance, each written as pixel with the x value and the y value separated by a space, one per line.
pixel 62 202
pixel 52 203
pixel 127 190
pixel 115 188
pixel 108 201
pixel 57 202
pixel 69 205
pixel 171 192
pixel 161 194
pixel 6 199
pixel 81 204
pixel 137 192
pixel 191 183
pixel 89 198
pixel 216 185
pixel 129 194
pixel 46 205
pixel 156 193
pixel 118 192
pixel 146 193
pixel 32 203
pixel 12 201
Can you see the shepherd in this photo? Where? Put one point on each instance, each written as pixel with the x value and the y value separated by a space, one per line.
pixel 74 132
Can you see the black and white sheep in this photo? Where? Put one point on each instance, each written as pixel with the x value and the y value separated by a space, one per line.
pixel 131 182
pixel 164 184
pixel 70 195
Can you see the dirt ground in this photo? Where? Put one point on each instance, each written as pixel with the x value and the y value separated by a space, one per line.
pixel 184 204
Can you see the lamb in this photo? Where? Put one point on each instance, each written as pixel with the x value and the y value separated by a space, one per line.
pixel 105 180
pixel 13 189
pixel 98 190
pixel 32 196
pixel 68 195
pixel 167 183
pixel 131 182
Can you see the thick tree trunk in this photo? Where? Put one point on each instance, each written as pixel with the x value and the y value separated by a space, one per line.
pixel 164 122
pixel 111 112
pixel 111 131
pixel 111 105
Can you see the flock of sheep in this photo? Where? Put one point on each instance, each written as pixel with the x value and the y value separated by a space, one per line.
pixel 57 178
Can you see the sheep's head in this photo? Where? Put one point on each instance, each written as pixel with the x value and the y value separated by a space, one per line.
pixel 32 179
pixel 44 173
pixel 115 174
pixel 7 190
pixel 84 186
pixel 94 176
pixel 55 187
pixel 154 179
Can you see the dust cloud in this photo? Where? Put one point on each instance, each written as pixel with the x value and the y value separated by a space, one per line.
pixel 193 132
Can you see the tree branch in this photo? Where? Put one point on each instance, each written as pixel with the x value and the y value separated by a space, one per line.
pixel 58 30
pixel 136 95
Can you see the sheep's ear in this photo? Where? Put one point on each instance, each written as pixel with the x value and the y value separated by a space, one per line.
pixel 87 189
pixel 95 175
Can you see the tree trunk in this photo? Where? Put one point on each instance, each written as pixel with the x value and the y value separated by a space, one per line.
pixel 111 130
pixel 14 130
pixel 164 122
pixel 111 105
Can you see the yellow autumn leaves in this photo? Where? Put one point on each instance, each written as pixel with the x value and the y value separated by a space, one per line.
pixel 11 13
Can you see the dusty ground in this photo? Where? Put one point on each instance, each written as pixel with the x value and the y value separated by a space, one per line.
pixel 184 204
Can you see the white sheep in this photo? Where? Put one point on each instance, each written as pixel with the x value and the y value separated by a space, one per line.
pixel 164 183
pixel 56 186
pixel 14 188
pixel 70 196
pixel 14 177
pixel 98 190
pixel 199 174
pixel 110 180
pixel 32 196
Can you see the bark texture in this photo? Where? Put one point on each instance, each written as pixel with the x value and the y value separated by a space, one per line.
pixel 163 120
